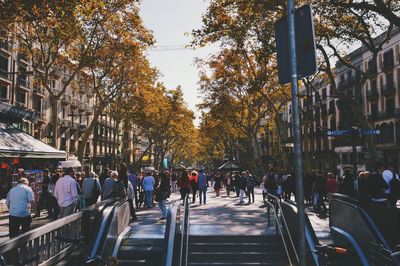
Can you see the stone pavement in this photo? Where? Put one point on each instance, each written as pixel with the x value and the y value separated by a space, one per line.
pixel 224 216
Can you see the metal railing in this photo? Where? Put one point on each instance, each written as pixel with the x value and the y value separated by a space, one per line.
pixel 170 234
pixel 184 247
pixel 42 246
pixel 282 227
pixel 352 221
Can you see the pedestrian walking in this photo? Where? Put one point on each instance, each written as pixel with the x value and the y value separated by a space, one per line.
pixel 53 208
pixel 163 192
pixel 174 181
pixel 217 183
pixel 123 176
pixel 20 200
pixel 251 182
pixel 148 187
pixel 392 179
pixel 134 179
pixel 377 187
pixel 66 193
pixel 184 185
pixel 242 184
pixel 193 179
pixel 91 189
pixel 44 195
pixel 228 183
pixel 203 184
pixel 108 184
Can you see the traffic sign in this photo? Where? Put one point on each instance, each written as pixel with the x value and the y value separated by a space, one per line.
pixel 332 133
pixel 305 45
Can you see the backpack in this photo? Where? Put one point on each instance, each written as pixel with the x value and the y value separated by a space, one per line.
pixel 394 187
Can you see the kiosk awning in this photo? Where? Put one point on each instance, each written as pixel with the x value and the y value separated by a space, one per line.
pixel 15 143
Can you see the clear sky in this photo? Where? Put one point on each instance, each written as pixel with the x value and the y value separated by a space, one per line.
pixel 172 22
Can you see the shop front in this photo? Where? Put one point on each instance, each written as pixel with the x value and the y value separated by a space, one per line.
pixel 22 154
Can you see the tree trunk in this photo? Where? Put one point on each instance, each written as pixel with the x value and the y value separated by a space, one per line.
pixel 54 118
pixel 88 132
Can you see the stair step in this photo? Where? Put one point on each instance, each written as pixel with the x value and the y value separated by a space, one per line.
pixel 234 239
pixel 128 262
pixel 140 252
pixel 236 263
pixel 142 241
pixel 221 247
pixel 239 256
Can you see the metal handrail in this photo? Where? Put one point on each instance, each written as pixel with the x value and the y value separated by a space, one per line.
pixel 373 229
pixel 185 233
pixel 277 202
pixel 170 233
pixel 40 245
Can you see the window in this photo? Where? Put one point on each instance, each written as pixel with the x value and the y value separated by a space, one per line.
pixel 374 109
pixel 324 94
pixel 38 104
pixel 22 75
pixel 3 92
pixel 390 106
pixel 3 66
pixel 21 96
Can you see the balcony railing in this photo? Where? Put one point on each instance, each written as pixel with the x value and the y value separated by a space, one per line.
pixel 66 100
pixel 39 91
pixel 371 71
pixel 74 103
pixel 4 74
pixel 82 107
pixel 5 45
pixel 65 123
pixel 90 110
pixel 387 65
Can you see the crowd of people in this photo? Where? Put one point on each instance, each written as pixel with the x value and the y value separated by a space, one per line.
pixel 66 191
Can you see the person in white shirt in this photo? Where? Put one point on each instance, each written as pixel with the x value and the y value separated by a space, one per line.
pixel 19 201
pixel 66 193
pixel 388 174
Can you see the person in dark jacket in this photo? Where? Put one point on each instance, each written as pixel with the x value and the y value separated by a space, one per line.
pixel 251 182
pixel 376 185
pixel 164 191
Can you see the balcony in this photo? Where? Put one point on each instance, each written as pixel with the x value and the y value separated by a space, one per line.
pixel 39 91
pixel 22 57
pixel 389 89
pixel 82 128
pixel 4 74
pixel 82 107
pixel 74 126
pixel 373 94
pixel 90 110
pixel 65 123
pixel 66 100
pixel 74 104
pixel 5 45
pixel 373 117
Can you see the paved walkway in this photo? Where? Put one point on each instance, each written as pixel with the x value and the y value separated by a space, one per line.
pixel 224 216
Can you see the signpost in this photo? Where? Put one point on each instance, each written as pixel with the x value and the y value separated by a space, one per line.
pixel 295 47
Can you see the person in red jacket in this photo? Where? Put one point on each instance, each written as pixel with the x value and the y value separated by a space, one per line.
pixel 184 185
pixel 194 179
pixel 331 183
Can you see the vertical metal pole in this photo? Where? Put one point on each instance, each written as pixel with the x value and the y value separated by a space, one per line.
pixel 297 132
pixel 355 168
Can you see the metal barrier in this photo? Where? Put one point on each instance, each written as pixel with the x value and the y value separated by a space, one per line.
pixel 42 245
pixel 170 234
pixel 350 221
pixel 282 228
pixel 184 247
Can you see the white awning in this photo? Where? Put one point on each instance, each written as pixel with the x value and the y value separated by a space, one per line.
pixel 15 143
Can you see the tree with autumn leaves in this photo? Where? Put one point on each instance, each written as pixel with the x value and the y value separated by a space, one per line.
pixel 239 25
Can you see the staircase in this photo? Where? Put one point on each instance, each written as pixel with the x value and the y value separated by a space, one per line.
pixel 141 252
pixel 236 250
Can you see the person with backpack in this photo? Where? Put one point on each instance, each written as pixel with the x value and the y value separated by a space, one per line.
pixel 203 184
pixel 91 189
pixel 377 187
pixel 392 179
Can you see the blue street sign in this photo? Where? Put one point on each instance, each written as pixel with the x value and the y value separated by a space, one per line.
pixel 332 133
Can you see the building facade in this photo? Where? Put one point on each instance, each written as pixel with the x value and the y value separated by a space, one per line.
pixel 378 97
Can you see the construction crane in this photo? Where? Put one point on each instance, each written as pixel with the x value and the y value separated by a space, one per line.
pixel 167 48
